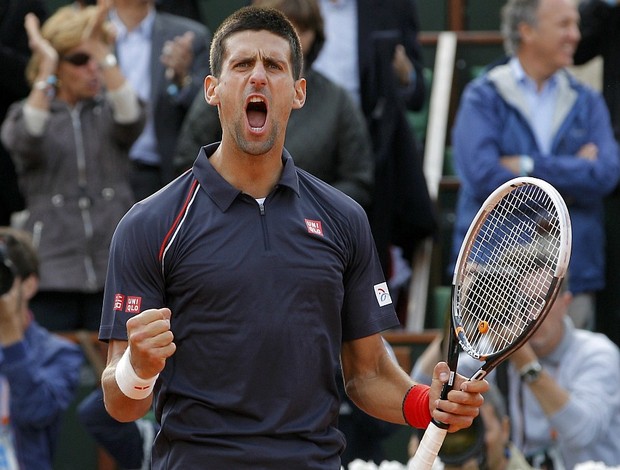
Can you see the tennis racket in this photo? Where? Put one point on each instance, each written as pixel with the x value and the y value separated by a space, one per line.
pixel 507 276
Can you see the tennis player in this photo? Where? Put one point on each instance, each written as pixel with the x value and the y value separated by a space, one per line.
pixel 235 293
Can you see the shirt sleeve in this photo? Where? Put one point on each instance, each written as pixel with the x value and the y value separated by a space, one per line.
pixel 134 281
pixel 367 307
pixel 592 379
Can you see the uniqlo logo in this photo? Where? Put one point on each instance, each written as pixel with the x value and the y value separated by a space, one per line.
pixel 314 227
pixel 133 304
pixel 119 301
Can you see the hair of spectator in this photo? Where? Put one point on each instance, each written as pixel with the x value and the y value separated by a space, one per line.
pixel 305 16
pixel 20 251
pixel 513 14
pixel 65 30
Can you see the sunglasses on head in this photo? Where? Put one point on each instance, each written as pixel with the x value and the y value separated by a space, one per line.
pixel 78 59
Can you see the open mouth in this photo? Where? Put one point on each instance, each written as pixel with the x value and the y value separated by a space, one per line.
pixel 256 111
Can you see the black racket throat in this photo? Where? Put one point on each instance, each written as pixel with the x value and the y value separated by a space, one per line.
pixel 454 349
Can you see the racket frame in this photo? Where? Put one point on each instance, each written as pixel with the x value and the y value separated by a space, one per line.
pixel 493 360
pixel 436 431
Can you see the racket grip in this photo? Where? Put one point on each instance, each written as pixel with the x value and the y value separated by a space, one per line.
pixel 428 449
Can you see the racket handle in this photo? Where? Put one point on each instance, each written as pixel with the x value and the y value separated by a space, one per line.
pixel 428 449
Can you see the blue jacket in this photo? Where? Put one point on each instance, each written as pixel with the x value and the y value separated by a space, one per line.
pixel 43 372
pixel 491 122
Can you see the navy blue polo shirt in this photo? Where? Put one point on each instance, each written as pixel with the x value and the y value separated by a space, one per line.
pixel 262 297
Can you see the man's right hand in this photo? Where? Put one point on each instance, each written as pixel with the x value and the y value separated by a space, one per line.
pixel 150 341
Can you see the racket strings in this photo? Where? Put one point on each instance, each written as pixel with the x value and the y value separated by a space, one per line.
pixel 508 271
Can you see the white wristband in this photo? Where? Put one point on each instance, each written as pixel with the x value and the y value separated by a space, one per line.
pixel 129 382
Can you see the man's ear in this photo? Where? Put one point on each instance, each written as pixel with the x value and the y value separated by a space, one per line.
pixel 526 32
pixel 30 286
pixel 565 298
pixel 300 93
pixel 210 87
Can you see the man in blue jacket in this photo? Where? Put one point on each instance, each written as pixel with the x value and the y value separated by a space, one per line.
pixel 39 372
pixel 529 116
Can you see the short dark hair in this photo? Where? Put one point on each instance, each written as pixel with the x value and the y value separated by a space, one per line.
pixel 20 251
pixel 255 19
pixel 306 16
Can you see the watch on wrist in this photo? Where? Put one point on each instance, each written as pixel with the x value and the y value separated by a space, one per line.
pixel 530 373
pixel 526 165
pixel 109 61
pixel 47 86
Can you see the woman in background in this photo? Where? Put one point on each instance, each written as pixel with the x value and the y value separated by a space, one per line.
pixel 69 140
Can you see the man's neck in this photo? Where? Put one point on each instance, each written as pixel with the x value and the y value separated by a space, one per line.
pixel 255 175
pixel 132 13
pixel 539 73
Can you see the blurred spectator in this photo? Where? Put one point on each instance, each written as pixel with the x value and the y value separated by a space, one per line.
pixel 327 135
pixel 14 55
pixel 39 372
pixel 531 117
pixel 70 142
pixel 563 392
pixel 356 30
pixel 600 35
pixel 372 49
pixel 166 58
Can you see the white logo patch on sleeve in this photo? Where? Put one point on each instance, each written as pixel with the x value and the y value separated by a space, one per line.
pixel 383 294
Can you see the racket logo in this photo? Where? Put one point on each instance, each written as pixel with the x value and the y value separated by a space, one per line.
pixel 382 294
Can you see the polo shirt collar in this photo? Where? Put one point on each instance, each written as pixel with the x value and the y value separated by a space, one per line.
pixel 524 79
pixel 221 191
